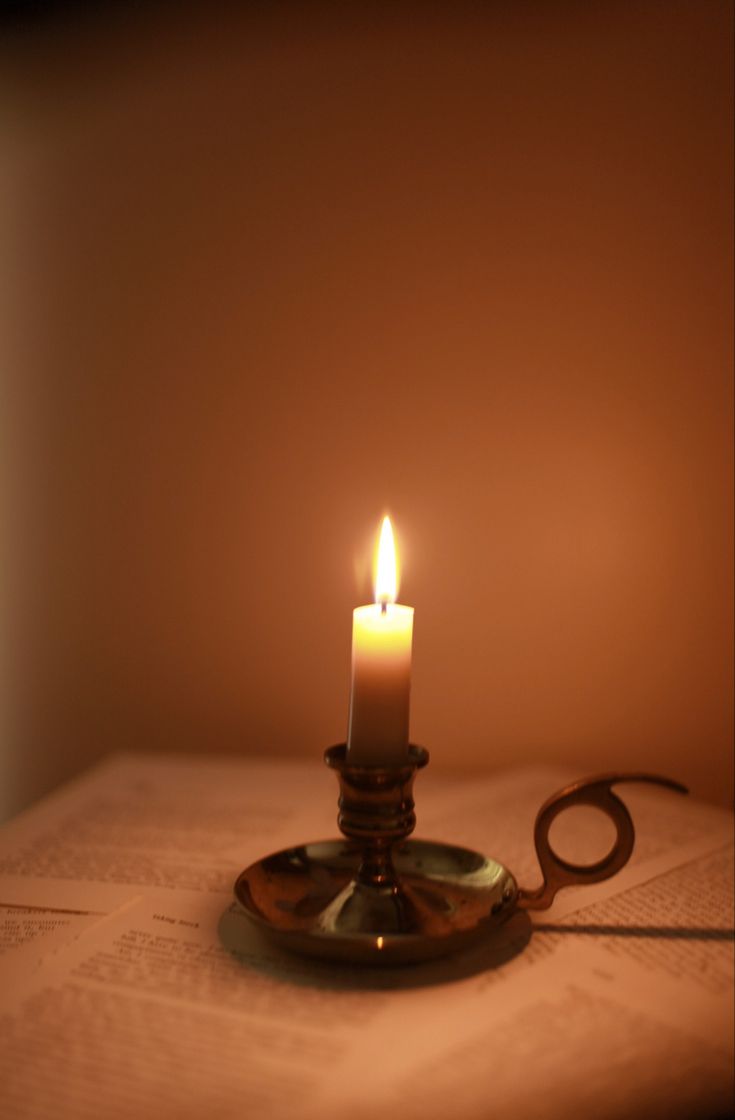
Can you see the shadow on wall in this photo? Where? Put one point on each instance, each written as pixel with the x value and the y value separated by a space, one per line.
pixel 270 276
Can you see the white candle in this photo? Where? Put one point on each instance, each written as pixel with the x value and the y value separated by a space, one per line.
pixel 381 669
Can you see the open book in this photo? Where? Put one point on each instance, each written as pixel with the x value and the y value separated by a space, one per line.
pixel 132 985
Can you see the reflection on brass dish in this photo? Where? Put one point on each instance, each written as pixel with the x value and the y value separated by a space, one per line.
pixel 311 899
pixel 377 897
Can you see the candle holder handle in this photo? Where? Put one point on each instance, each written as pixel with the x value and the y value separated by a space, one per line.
pixel 596 792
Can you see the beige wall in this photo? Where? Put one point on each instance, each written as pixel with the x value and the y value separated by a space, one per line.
pixel 265 280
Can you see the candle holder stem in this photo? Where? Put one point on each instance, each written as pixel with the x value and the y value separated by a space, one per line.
pixel 376 811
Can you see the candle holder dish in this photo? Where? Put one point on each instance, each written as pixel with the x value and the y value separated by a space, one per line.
pixel 378 897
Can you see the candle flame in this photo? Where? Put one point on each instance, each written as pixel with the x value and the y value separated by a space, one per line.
pixel 386 576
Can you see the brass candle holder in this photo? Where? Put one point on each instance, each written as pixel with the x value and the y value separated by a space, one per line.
pixel 378 897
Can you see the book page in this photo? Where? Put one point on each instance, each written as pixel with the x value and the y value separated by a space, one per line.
pixel 179 1000
pixel 158 997
pixel 174 824
pixel 679 924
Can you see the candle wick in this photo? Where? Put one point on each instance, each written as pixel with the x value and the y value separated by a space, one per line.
pixel 384 606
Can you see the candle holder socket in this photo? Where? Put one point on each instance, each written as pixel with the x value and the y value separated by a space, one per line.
pixel 376 809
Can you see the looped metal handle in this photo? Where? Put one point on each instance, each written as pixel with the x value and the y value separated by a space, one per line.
pixel 597 792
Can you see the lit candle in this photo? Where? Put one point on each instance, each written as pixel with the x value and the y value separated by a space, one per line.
pixel 381 668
